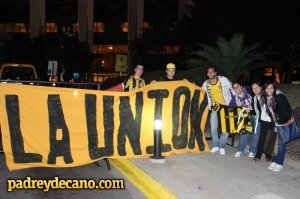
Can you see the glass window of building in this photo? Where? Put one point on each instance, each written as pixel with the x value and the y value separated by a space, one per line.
pixel 15 27
pixel 124 27
pixel 99 27
pixel 75 27
pixel 51 27
pixel 147 26
pixel 20 27
pixel 110 49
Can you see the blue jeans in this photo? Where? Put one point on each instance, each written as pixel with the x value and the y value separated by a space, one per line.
pixel 279 159
pixel 216 141
pixel 253 140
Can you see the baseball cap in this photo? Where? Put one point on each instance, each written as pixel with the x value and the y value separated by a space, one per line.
pixel 170 66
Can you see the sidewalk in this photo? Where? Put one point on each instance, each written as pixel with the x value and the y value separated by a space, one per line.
pixel 88 172
pixel 188 176
pixel 215 176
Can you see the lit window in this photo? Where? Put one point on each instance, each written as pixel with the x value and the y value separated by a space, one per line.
pixel 147 25
pixel 108 49
pixel 75 27
pixel 15 27
pixel 99 27
pixel 20 27
pixel 167 50
pixel 51 27
pixel 124 27
pixel 6 27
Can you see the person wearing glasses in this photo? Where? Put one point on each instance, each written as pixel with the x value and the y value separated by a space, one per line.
pixel 243 99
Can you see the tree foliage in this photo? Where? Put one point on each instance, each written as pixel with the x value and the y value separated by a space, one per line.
pixel 272 24
pixel 231 57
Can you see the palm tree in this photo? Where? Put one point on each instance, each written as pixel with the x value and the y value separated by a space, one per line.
pixel 232 58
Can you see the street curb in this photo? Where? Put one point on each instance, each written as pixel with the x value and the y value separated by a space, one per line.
pixel 144 182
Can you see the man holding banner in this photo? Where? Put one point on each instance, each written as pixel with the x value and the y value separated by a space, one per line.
pixel 170 74
pixel 135 81
pixel 219 92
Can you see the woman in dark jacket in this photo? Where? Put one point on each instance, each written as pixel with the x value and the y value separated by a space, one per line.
pixel 281 113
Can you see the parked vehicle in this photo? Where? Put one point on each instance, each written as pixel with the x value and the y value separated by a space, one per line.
pixel 12 71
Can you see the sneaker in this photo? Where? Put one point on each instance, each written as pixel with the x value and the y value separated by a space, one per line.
pixel 214 149
pixel 278 167
pixel 222 151
pixel 251 155
pixel 272 166
pixel 238 154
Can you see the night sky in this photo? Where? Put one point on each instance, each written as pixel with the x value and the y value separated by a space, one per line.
pixel 265 21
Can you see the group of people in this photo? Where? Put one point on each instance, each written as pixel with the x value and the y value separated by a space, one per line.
pixel 136 81
pixel 268 106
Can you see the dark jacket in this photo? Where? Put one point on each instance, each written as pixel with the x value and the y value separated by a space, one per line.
pixel 283 109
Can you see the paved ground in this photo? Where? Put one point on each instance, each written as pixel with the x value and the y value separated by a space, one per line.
pixel 293 150
pixel 91 171
pixel 216 176
pixel 188 176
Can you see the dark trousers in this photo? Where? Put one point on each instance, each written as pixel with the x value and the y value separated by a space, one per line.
pixel 264 127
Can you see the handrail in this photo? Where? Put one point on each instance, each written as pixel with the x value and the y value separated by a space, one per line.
pixel 79 85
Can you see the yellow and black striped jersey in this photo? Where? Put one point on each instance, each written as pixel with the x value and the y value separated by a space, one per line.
pixel 132 83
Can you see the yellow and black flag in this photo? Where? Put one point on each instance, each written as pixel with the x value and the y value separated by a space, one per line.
pixel 227 117
pixel 245 121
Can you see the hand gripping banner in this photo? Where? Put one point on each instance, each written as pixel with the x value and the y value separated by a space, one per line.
pixel 66 127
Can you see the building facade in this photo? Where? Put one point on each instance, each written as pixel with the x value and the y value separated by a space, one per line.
pixel 108 26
